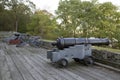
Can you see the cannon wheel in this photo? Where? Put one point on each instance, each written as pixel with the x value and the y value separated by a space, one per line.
pixel 76 59
pixel 88 61
pixel 63 63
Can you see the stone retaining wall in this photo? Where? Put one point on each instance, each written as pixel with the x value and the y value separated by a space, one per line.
pixel 102 56
pixel 106 57
pixel 47 45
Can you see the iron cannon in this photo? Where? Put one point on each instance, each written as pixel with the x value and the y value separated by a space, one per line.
pixel 62 43
pixel 78 49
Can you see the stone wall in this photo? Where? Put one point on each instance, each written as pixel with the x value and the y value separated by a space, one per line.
pixel 106 57
pixel 47 44
pixel 102 56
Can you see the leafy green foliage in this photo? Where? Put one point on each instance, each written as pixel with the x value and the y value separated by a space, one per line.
pixel 43 24
pixel 15 14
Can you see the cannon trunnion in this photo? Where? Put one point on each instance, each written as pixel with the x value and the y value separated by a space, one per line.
pixel 78 49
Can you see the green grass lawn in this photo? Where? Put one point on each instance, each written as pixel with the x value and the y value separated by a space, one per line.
pixel 107 49
pixel 48 40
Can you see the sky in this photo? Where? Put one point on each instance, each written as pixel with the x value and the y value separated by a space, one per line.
pixel 51 5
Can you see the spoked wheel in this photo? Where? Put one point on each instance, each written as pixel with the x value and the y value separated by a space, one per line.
pixel 63 63
pixel 76 59
pixel 88 61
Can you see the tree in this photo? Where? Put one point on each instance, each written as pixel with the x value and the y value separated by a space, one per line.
pixel 15 14
pixel 43 24
pixel 4 15
pixel 65 14
pixel 76 16
pixel 87 18
pixel 21 12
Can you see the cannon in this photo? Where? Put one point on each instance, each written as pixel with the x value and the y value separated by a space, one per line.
pixel 78 49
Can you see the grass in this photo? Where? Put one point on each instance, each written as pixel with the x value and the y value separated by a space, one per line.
pixel 48 40
pixel 107 49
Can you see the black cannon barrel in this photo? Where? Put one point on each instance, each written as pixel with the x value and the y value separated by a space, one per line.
pixel 62 43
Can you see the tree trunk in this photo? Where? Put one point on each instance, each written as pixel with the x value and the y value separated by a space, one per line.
pixel 16 25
